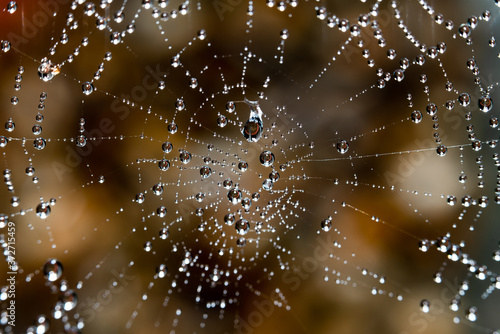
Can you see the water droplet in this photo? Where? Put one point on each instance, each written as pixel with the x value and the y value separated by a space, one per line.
pixel 11 7
pixel 164 164
pixel 5 46
pixel 464 30
pixel 30 171
pixel 284 34
pixel 139 198
pixel 431 109
pixel 425 305
pixel 464 99
pixel 164 233
pixel 229 219
pixel 87 88
pixel 158 189
pixel 180 105
pixel 399 75
pixel 267 184
pixel 485 103
pixel 115 37
pixel 234 195
pixel 243 166
pixel 52 270
pixel 451 200
pixel 69 300
pixel 242 226
pixel 326 225
pixel 193 83
pixel 14 201
pixel 46 71
pixel 199 213
pixel 441 150
pixel 39 143
pixel 483 201
pixel 476 145
pixel 200 197
pixel 10 125
pixel 185 157
pixel 471 314
pixel 172 128
pixel 455 304
pixel 221 121
pixel 246 203
pixel 274 176
pixel 454 253
pixel 43 210
pixel 227 183
pixel 202 34
pixel 161 270
pixel 416 116
pixel 342 146
pixel 424 245
pixel 175 61
pixel 205 172
pixel 167 147
pixel 472 22
pixel 161 211
pixel 42 325
pixel 252 131
pixel 266 158
pixel 81 141
pixel 230 107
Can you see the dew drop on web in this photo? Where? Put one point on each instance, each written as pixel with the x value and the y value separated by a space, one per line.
pixel 52 270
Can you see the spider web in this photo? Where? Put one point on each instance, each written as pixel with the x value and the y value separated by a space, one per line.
pixel 250 166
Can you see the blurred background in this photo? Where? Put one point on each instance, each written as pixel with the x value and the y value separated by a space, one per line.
pixel 154 65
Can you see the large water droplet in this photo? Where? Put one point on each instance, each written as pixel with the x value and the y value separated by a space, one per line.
pixel 425 306
pixel 161 270
pixel 46 71
pixel 441 150
pixel 5 46
pixel 43 210
pixel 464 30
pixel 471 314
pixel 11 7
pixel 52 270
pixel 242 226
pixel 252 130
pixel 42 325
pixel 267 184
pixel 69 300
pixel 81 141
pixel 464 99
pixel 234 195
pixel 39 143
pixel 342 146
pixel 185 157
pixel 416 116
pixel 205 171
pixel 87 88
pixel 167 147
pixel 485 103
pixel 326 225
pixel 164 164
pixel 164 233
pixel 266 158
